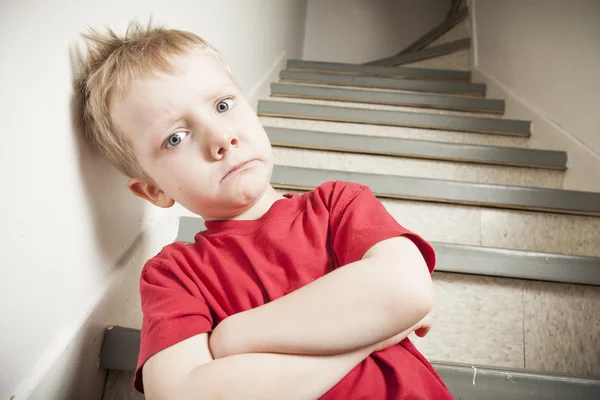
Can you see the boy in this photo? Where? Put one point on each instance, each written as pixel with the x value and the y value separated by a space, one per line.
pixel 283 296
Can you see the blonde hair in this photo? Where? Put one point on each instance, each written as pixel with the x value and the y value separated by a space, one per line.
pixel 113 64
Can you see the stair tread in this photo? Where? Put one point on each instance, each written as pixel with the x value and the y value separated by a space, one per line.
pixel 394 118
pixel 416 148
pixel 430 52
pixel 462 88
pixel 466 381
pixel 418 167
pixel 409 99
pixel 404 132
pixel 481 260
pixel 382 71
pixel 456 192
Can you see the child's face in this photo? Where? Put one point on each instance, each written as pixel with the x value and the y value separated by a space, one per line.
pixel 189 131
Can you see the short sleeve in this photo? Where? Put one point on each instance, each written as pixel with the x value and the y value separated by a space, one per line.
pixel 173 308
pixel 359 221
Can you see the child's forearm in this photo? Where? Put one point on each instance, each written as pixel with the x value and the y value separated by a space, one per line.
pixel 269 376
pixel 355 306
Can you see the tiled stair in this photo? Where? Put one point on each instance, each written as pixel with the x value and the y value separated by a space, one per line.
pixel 480 320
pixel 510 311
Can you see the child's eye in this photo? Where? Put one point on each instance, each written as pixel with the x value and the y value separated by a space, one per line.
pixel 224 105
pixel 175 139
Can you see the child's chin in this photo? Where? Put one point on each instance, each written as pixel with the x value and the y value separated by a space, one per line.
pixel 249 188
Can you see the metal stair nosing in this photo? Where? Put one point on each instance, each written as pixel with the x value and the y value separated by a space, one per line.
pixel 420 149
pixel 379 71
pixel 556 201
pixel 479 125
pixel 425 54
pixel 412 99
pixel 369 82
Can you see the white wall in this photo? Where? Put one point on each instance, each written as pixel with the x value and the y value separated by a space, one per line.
pixel 358 31
pixel 67 217
pixel 546 52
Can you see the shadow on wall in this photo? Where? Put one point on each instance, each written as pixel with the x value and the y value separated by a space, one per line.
pixel 119 216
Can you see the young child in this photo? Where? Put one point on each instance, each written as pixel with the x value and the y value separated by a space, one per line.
pixel 283 296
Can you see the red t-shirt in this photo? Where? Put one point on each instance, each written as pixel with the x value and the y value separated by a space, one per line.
pixel 234 266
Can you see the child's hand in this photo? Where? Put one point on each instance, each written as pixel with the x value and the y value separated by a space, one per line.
pixel 423 327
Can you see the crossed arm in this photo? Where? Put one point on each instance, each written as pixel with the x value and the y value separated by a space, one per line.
pixel 290 347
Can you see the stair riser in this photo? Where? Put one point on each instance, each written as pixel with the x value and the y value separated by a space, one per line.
pixel 422 168
pixel 515 324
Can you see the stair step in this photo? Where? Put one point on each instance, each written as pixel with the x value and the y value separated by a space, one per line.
pixel 362 144
pixel 394 118
pixel 428 101
pixel 419 168
pixel 487 261
pixel 465 381
pixel 455 192
pixel 413 85
pixel 430 52
pixel 445 26
pixel 400 132
pixel 373 70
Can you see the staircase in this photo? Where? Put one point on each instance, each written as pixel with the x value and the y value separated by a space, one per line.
pixel 518 279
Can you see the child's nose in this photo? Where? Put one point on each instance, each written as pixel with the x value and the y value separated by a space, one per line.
pixel 222 144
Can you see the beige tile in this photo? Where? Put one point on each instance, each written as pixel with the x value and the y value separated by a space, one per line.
pixel 363 163
pixel 434 222
pixel 505 175
pixel 477 320
pixel 537 231
pixel 418 168
pixel 458 60
pixel 562 328
pixel 309 158
pixel 393 131
pixel 437 222
pixel 460 31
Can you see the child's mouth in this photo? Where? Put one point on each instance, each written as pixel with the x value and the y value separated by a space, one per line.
pixel 240 166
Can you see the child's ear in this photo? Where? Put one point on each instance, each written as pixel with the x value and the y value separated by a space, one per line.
pixel 149 192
